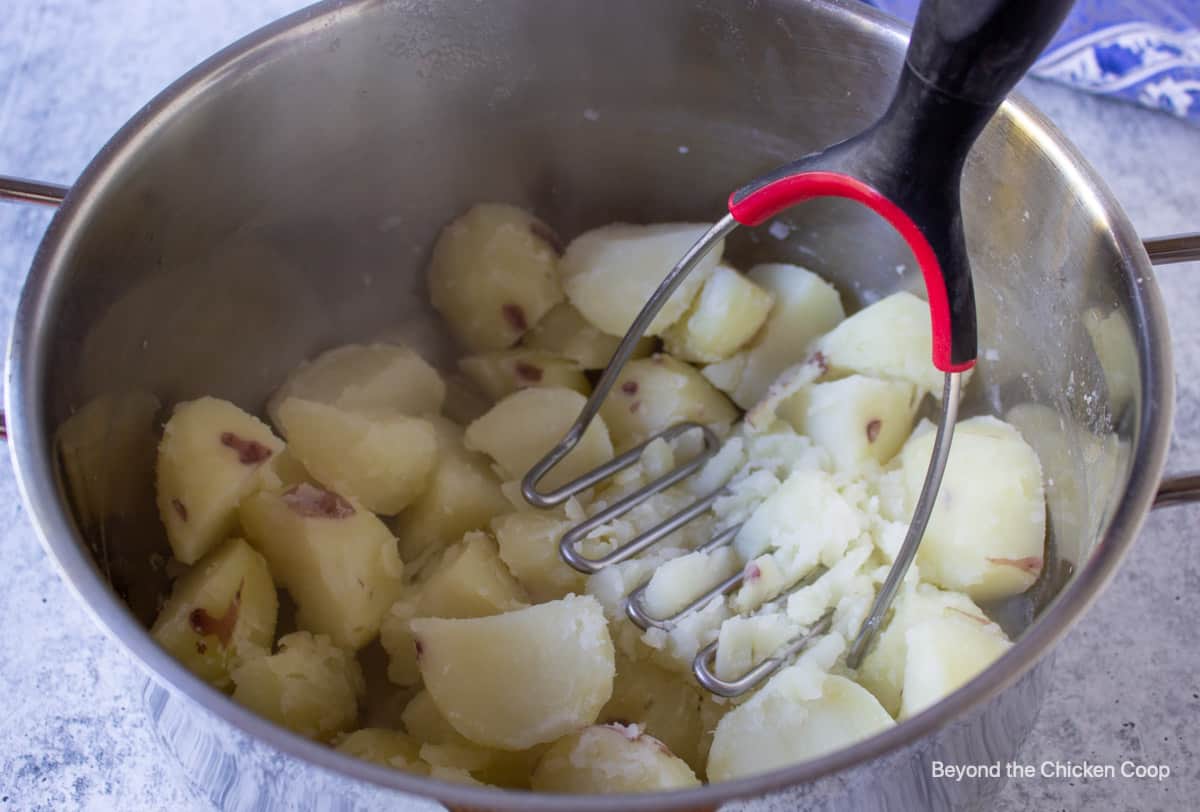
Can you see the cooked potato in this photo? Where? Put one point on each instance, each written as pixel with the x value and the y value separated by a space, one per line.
pixel 210 457
pixel 515 680
pixel 503 372
pixel 728 312
pixel 373 377
pixel 988 529
pixel 471 581
pixel 805 307
pixel 744 642
pixel 611 758
pixel 890 339
pixel 609 273
pixel 114 432
pixel 382 460
pixel 444 748
pixel 494 273
pixel 220 612
pixel 564 332
pixel 462 495
pixel 807 518
pixel 529 547
pixel 519 430
pixel 309 685
pixel 666 705
pixel 390 748
pixel 678 582
pixel 397 640
pixel 855 419
pixel 654 393
pixel 945 652
pixel 336 559
pixel 793 718
pixel 883 668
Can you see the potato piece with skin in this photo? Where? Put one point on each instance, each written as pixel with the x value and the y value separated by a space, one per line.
pixel 654 393
pixel 519 430
pixel 389 748
pixel 471 581
pixel 382 460
pixel 515 680
pixel 728 312
pixel 462 495
pixel 528 544
pixel 566 333
pixel 505 371
pixel 666 705
pixel 787 722
pixel 805 307
pixel 987 534
pixel 611 758
pixel 882 671
pixel 855 419
pixel 610 272
pixel 337 560
pixel 944 653
pixel 890 339
pixel 309 685
pixel 220 612
pixel 211 456
pixel 357 377
pixel 494 273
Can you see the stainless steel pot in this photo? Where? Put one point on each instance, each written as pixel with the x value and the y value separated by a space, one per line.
pixel 282 198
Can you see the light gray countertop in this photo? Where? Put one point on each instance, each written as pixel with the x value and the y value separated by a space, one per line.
pixel 76 734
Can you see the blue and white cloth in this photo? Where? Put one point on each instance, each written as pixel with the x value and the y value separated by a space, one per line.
pixel 1145 52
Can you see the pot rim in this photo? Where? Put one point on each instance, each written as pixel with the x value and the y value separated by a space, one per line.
pixel 31 454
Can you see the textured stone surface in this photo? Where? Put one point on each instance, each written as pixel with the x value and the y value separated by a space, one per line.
pixel 72 71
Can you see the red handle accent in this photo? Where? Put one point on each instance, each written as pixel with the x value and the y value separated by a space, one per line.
pixel 768 200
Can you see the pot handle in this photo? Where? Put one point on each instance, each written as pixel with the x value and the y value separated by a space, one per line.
pixel 1176 490
pixel 1181 489
pixel 20 190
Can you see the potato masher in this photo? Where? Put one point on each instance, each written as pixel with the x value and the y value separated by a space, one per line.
pixel 962 60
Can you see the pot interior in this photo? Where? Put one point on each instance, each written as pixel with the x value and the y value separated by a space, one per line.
pixel 286 201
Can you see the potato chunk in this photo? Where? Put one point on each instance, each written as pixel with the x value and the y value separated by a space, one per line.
pixel 805 307
pixel 389 748
pixel 855 419
pixel 791 720
pixel 471 581
pixel 503 372
pixel 383 460
pixel 728 312
pixel 529 546
pixel 611 758
pixel 609 273
pixel 309 685
pixel 494 273
pixel 654 393
pixel 210 457
pixel 890 339
pixel 374 377
pixel 337 560
pixel 988 528
pixel 515 680
pixel 664 704
pixel 462 495
pixel 943 654
pixel 564 332
pixel 397 640
pixel 519 430
pixel 220 612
